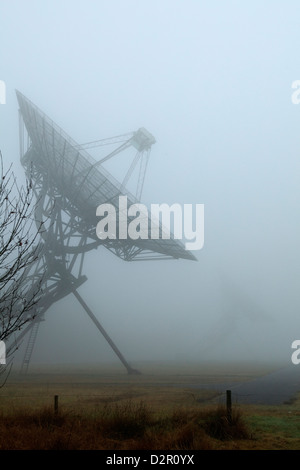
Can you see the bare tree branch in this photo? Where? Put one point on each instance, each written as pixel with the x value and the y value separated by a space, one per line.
pixel 19 249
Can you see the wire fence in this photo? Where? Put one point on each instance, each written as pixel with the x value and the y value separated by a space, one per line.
pixel 220 397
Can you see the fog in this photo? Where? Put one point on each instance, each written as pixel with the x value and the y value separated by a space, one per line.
pixel 212 81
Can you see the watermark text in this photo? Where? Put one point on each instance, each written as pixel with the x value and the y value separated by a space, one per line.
pixel 2 353
pixel 296 94
pixel 2 92
pixel 135 222
pixel 296 354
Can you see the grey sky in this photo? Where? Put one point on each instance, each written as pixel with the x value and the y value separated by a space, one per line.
pixel 211 80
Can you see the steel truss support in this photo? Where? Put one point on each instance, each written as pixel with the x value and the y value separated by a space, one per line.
pixel 130 370
pixel 66 284
pixel 30 345
pixel 63 251
pixel 67 236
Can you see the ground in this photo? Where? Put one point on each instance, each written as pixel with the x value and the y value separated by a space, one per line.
pixel 169 406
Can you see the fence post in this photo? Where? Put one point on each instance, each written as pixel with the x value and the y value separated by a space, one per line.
pixel 55 404
pixel 228 406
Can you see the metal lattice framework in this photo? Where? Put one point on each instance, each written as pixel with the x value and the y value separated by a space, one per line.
pixel 69 184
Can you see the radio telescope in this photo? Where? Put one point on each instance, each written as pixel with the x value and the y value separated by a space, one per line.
pixel 69 184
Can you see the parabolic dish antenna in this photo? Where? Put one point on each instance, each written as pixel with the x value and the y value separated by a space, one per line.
pixel 69 185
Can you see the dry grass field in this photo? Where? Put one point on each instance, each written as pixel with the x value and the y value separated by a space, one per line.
pixel 101 407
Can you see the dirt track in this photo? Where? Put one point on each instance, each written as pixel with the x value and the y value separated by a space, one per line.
pixel 272 389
